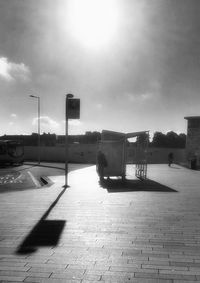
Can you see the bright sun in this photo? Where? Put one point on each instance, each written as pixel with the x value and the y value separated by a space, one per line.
pixel 93 22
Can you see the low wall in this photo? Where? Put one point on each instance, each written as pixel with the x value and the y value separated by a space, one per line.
pixel 86 153
pixel 77 153
pixel 160 155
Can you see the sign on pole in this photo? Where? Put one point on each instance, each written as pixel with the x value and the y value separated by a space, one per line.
pixel 73 108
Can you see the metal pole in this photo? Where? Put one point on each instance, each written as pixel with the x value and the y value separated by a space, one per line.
pixel 39 130
pixel 69 95
pixel 38 98
pixel 66 144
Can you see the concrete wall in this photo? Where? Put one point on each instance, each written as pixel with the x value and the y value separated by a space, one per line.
pixel 77 153
pixel 158 155
pixel 86 153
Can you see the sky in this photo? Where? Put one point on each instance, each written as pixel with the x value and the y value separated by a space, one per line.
pixel 134 64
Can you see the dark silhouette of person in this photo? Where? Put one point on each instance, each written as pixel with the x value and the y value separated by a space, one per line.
pixel 170 158
pixel 194 162
pixel 101 164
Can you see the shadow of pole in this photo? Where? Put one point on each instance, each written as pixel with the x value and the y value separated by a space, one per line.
pixel 45 166
pixel 44 233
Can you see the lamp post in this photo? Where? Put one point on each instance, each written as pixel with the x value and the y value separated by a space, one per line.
pixel 69 95
pixel 38 98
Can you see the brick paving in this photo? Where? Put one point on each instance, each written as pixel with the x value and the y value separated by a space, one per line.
pixel 140 231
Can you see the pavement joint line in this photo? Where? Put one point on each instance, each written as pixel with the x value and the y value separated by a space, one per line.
pixel 18 176
pixel 35 181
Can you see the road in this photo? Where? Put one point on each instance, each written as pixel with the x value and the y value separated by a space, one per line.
pixel 28 176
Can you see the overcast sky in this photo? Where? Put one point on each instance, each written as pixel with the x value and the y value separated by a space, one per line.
pixel 135 64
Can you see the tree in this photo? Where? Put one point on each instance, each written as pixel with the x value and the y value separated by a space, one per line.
pixel 170 140
pixel 143 139
pixel 159 140
pixel 182 140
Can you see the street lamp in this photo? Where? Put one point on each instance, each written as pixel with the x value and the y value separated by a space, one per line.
pixel 38 98
pixel 68 96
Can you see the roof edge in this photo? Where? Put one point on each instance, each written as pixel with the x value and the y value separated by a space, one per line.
pixel 191 117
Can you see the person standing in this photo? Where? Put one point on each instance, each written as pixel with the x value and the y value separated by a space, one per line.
pixel 170 158
pixel 101 164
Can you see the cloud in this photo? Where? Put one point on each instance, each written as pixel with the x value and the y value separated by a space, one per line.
pixel 142 97
pixel 10 71
pixel 13 115
pixel 76 127
pixel 148 96
pixel 152 92
pixel 75 123
pixel 99 106
pixel 46 122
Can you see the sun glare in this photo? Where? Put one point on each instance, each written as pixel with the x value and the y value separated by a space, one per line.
pixel 93 22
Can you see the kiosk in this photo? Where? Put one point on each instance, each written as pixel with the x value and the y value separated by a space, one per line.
pixel 114 147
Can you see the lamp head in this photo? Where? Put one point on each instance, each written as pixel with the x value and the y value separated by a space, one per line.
pixel 34 96
pixel 70 95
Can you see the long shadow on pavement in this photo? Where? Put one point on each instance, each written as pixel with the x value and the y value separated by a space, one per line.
pixel 44 233
pixel 115 186
pixel 72 167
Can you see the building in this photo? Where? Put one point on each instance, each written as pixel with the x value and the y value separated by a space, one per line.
pixel 193 142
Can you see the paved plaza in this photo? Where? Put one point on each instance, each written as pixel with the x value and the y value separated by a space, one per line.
pixel 137 231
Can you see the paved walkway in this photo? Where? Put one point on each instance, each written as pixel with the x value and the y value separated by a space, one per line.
pixel 133 232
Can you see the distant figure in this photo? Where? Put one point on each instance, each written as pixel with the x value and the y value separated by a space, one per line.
pixel 101 164
pixel 194 162
pixel 170 158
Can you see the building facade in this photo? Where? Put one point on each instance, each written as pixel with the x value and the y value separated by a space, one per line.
pixel 193 142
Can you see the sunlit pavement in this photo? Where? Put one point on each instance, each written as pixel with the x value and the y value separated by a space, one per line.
pixel 140 231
